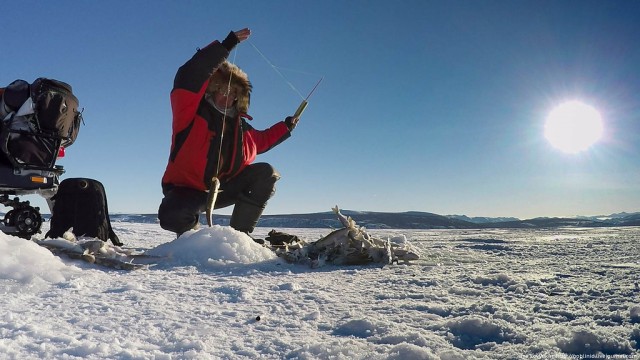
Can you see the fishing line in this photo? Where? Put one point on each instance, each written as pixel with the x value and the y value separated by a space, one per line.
pixel 305 100
pixel 214 186
pixel 298 71
pixel 275 68
pixel 224 115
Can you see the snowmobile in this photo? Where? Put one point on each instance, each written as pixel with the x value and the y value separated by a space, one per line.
pixel 37 122
pixel 25 220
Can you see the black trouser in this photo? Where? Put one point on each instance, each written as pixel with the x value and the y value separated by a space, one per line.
pixel 249 191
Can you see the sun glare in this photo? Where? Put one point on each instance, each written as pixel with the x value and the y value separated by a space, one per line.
pixel 573 127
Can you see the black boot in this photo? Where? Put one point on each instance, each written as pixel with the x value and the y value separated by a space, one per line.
pixel 245 216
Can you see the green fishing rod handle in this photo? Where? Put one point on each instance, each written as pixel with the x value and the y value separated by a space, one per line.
pixel 303 105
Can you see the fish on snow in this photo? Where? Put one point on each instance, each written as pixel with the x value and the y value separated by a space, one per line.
pixel 350 245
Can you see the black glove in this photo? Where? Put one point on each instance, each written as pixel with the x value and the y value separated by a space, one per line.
pixel 291 122
pixel 230 41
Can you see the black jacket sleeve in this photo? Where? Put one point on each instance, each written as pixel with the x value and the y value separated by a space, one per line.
pixel 197 70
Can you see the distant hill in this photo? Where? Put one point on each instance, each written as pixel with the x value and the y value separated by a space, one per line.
pixel 407 220
pixel 368 219
pixel 621 219
pixel 412 220
pixel 483 220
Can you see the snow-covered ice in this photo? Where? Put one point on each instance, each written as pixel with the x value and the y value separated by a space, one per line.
pixel 475 294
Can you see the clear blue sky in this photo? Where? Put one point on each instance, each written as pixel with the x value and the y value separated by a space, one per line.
pixel 434 106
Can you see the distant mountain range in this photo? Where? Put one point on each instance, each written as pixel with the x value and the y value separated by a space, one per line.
pixel 406 220
pixel 413 220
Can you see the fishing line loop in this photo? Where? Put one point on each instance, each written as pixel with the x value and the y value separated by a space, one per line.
pixel 277 70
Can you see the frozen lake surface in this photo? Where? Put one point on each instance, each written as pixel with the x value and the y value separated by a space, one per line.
pixel 475 294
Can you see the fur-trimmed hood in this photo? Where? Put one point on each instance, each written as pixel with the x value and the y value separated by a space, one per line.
pixel 239 81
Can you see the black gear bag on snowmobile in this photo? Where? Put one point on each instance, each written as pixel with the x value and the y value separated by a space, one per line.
pixel 81 205
pixel 37 121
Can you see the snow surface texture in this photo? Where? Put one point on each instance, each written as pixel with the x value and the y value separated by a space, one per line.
pixel 474 294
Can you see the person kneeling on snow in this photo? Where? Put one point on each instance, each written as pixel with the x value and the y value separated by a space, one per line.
pixel 211 137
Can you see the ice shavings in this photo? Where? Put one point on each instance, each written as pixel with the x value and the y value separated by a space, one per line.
pixel 216 245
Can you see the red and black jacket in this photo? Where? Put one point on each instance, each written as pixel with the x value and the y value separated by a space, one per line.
pixel 197 125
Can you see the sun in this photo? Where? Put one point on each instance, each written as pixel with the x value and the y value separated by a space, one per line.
pixel 573 127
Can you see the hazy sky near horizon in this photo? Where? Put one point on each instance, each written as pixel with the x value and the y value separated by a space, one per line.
pixel 434 106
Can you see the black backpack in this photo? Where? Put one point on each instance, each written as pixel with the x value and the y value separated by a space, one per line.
pixel 82 204
pixel 56 109
pixel 33 139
